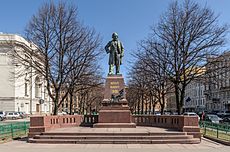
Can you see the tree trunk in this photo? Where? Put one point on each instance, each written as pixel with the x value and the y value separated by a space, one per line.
pixel 163 104
pixel 146 107
pixel 55 111
pixel 182 94
pixel 90 109
pixel 153 106
pixel 177 98
pixel 138 106
pixel 142 103
pixel 135 109
pixel 71 103
pixel 150 104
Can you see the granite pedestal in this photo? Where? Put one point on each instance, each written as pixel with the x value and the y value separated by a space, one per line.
pixel 114 113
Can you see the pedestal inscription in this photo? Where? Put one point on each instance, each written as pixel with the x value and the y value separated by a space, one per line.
pixel 113 86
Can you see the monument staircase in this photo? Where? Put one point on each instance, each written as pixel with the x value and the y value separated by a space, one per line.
pixel 114 138
pixel 115 124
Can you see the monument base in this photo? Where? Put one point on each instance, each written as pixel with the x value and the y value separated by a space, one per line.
pixel 114 113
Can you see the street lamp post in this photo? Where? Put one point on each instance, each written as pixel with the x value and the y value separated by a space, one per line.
pixel 41 101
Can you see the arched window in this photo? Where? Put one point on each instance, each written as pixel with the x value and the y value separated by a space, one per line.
pixel 38 87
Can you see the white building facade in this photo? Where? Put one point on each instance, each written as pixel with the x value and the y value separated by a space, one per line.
pixel 20 89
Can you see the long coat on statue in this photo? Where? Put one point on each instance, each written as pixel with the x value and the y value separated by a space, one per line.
pixel 116 52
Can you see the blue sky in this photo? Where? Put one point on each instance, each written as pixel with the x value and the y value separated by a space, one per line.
pixel 131 19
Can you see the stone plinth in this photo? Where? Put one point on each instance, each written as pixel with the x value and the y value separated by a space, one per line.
pixel 114 113
pixel 113 84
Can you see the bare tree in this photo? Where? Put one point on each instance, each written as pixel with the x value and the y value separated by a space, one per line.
pixel 89 99
pixel 135 93
pixel 65 48
pixel 184 37
pixel 140 89
pixel 90 87
pixel 154 72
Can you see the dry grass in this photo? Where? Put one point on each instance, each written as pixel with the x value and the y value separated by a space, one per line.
pixel 213 133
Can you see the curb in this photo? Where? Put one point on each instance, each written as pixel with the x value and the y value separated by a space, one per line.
pixel 216 140
pixel 210 141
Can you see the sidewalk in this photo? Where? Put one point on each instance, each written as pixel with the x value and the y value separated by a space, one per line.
pixel 23 146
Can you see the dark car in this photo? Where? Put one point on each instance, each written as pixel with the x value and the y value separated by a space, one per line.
pixel 2 115
pixel 213 118
pixel 226 120
pixel 223 114
pixel 22 114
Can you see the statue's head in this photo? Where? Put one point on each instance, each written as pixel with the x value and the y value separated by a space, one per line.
pixel 115 36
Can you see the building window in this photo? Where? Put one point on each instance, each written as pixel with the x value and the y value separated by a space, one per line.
pixel 37 87
pixel 26 85
pixel 26 89
pixel 45 92
pixel 228 94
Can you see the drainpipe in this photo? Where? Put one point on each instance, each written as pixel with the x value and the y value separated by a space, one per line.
pixel 31 85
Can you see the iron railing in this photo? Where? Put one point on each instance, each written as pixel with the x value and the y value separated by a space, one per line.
pixel 220 131
pixel 89 120
pixel 14 130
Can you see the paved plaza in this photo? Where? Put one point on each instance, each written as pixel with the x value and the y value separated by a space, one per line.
pixel 138 129
pixel 23 146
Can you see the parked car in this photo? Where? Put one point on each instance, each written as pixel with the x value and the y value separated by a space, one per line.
pixel 174 113
pixel 226 120
pixel 213 118
pixel 158 113
pixel 22 114
pixel 167 113
pixel 2 115
pixel 13 115
pixel 223 114
pixel 62 113
pixel 213 112
pixel 191 114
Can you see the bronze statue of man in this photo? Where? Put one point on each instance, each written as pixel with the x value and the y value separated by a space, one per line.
pixel 116 52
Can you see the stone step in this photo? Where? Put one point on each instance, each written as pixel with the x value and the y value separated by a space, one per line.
pixel 114 125
pixel 114 133
pixel 118 141
pixel 113 137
